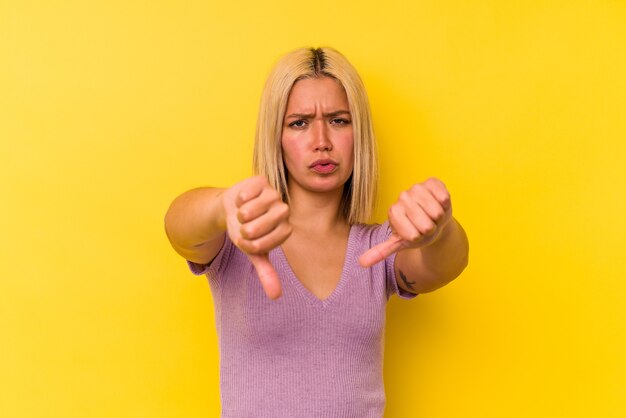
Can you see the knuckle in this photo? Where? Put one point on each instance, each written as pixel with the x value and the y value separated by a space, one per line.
pixel 272 191
pixel 243 215
pixel 254 247
pixel 429 228
pixel 438 214
pixel 245 232
pixel 243 245
pixel 270 194
pixel 434 181
pixel 283 210
pixel 414 236
pixel 272 197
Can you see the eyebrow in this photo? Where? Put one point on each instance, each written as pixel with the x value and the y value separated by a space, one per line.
pixel 311 115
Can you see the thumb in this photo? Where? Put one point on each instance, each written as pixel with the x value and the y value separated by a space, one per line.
pixel 381 251
pixel 267 275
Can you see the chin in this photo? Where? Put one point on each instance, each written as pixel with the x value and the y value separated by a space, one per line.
pixel 326 187
pixel 321 184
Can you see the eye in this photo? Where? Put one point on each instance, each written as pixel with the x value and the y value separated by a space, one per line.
pixel 300 123
pixel 340 121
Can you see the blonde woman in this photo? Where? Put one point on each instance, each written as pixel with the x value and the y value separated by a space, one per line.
pixel 299 279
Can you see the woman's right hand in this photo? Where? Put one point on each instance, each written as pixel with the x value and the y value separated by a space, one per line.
pixel 257 221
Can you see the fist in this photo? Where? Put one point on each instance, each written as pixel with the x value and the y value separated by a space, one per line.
pixel 257 221
pixel 416 219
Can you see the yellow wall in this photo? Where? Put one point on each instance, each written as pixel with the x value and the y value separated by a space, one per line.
pixel 108 109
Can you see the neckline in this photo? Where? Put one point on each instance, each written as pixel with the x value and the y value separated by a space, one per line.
pixel 306 293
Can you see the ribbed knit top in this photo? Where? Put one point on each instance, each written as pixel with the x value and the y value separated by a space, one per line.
pixel 299 356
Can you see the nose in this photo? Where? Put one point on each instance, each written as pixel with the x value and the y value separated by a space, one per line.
pixel 321 137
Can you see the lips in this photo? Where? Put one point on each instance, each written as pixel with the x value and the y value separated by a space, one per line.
pixel 325 166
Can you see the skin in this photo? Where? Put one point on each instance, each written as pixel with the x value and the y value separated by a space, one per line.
pixel 431 246
pixel 317 128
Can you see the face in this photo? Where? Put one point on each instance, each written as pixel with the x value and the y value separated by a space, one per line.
pixel 317 136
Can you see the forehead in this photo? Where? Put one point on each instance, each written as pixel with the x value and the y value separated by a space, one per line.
pixel 310 93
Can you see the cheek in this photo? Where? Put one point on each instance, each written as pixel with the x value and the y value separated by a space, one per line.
pixel 284 146
pixel 349 147
pixel 291 154
pixel 350 152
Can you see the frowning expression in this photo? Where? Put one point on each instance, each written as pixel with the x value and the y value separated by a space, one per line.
pixel 317 136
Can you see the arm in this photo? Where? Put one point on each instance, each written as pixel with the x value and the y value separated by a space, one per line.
pixel 432 246
pixel 424 269
pixel 195 224
pixel 251 212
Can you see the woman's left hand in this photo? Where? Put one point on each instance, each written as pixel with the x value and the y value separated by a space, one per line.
pixel 416 220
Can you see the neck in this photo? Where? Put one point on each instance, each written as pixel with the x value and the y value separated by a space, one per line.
pixel 316 212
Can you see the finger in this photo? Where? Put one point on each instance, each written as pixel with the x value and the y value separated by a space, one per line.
pixel 401 224
pixel 381 251
pixel 258 205
pixel 440 192
pixel 267 275
pixel 250 189
pixel 422 210
pixel 265 223
pixel 421 220
pixel 432 208
pixel 267 242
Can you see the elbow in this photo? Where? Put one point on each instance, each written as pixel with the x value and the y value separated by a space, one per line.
pixel 458 254
pixel 170 231
pixel 462 260
pixel 462 265
pixel 458 266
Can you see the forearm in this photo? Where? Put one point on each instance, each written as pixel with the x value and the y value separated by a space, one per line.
pixel 195 224
pixel 431 267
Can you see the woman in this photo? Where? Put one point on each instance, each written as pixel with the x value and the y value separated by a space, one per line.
pixel 300 282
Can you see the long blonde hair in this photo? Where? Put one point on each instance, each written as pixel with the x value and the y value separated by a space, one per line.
pixel 359 193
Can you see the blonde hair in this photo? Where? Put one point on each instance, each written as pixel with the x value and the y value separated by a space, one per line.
pixel 359 194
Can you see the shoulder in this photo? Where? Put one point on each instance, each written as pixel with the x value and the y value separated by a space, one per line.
pixel 371 234
pixel 228 257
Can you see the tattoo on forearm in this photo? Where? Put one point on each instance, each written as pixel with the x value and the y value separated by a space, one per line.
pixel 406 281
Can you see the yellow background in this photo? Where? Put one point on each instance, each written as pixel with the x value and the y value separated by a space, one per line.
pixel 109 109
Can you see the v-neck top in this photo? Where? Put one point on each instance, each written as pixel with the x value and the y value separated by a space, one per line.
pixel 301 356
